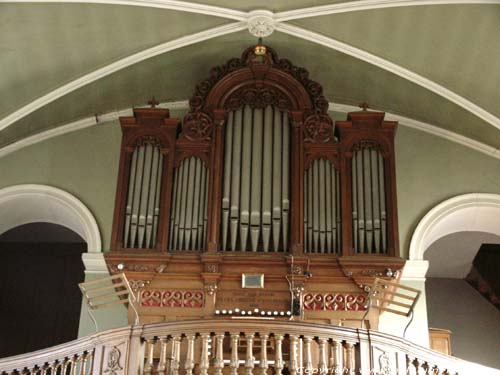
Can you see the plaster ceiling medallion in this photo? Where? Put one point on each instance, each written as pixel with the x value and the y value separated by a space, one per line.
pixel 261 23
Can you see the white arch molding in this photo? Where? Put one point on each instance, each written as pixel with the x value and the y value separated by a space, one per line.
pixel 23 204
pixel 475 212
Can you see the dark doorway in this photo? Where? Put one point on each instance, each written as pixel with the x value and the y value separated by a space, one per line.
pixel 40 300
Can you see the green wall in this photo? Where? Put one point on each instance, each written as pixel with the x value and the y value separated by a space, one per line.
pixel 85 163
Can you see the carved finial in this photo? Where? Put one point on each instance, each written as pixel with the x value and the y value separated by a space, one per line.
pixel 364 105
pixel 153 102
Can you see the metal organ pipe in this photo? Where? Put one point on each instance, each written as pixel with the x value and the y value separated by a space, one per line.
pixel 368 201
pixel 189 211
pixel 321 208
pixel 143 199
pixel 255 199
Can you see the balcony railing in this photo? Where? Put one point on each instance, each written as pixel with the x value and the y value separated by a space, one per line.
pixel 238 347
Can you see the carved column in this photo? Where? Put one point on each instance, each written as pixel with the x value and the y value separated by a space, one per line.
pixel 215 190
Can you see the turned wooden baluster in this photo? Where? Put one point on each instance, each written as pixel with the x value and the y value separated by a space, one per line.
pixel 322 346
pixel 250 360
pixel 219 358
pixel 263 365
pixel 349 358
pixel 162 364
pixel 174 362
pixel 334 363
pixel 278 359
pixel 308 355
pixel 148 366
pixel 189 364
pixel 44 369
pixel 204 362
pixel 293 355
pixel 235 363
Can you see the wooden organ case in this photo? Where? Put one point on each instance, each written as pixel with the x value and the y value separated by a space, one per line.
pixel 257 204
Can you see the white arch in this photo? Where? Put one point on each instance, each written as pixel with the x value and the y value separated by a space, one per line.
pixel 465 213
pixel 23 204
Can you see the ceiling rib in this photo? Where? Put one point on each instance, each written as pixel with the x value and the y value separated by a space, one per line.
pixel 390 67
pixel 184 105
pixel 182 6
pixel 118 65
pixel 354 6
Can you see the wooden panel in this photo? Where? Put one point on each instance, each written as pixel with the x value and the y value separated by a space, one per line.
pixel 440 340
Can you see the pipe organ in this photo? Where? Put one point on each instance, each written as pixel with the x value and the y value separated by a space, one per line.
pixel 322 220
pixel 143 200
pixel 257 166
pixel 368 201
pixel 255 198
pixel 188 222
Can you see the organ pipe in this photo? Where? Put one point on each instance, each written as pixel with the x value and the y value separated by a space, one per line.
pixel 368 201
pixel 143 198
pixel 321 208
pixel 188 220
pixel 255 198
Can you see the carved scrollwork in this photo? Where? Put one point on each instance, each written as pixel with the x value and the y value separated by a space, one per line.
pixel 385 364
pixel 198 126
pixel 334 301
pixel 257 98
pixel 148 140
pixel 366 144
pixel 318 128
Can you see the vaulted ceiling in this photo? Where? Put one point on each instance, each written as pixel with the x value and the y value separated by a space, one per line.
pixel 436 62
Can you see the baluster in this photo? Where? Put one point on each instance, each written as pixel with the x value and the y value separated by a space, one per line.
pixel 335 357
pixel 410 366
pixel 419 364
pixel 349 358
pixel 162 364
pixel 173 357
pixel 323 366
pixel 148 367
pixel 219 358
pixel 83 364
pixel 189 364
pixel 293 355
pixel 308 354
pixel 234 364
pixel 204 362
pixel 278 359
pixel 250 360
pixel 263 365
pixel 46 367
pixel 177 361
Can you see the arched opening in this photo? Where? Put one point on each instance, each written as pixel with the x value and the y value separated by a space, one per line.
pixel 449 237
pixel 39 295
pixel 43 233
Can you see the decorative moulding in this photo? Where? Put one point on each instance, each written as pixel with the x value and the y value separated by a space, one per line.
pixel 261 23
pixel 467 212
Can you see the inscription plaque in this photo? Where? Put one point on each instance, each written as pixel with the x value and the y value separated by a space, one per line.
pixel 252 299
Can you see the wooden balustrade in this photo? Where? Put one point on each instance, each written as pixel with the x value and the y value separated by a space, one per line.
pixel 238 347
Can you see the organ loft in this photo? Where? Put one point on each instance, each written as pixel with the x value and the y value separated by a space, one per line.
pixel 256 205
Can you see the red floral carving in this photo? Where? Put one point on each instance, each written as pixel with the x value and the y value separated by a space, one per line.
pixel 172 298
pixel 334 301
pixel 318 128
